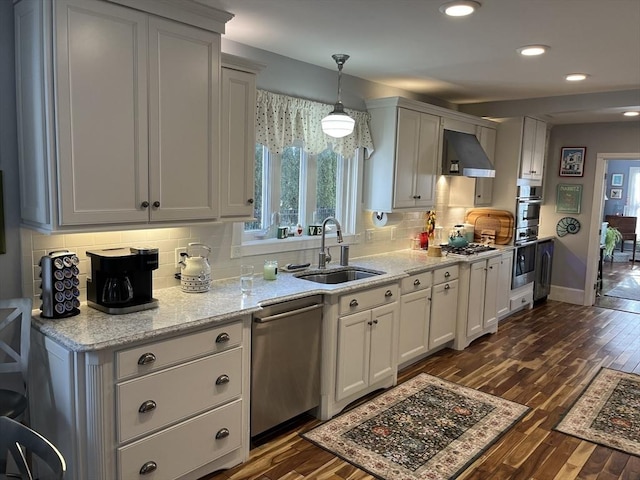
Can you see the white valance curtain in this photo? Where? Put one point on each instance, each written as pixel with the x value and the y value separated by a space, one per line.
pixel 281 120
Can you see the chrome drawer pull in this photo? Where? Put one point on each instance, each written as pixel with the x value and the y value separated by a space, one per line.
pixel 353 303
pixel 222 379
pixel 388 293
pixel 223 337
pixel 416 282
pixel 147 406
pixel 146 358
pixel 447 274
pixel 148 468
pixel 447 287
pixel 222 433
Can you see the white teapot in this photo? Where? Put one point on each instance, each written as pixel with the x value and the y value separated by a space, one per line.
pixel 195 276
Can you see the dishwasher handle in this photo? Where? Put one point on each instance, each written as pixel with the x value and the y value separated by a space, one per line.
pixel 280 316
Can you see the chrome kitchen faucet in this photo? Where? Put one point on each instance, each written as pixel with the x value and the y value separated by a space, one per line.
pixel 324 256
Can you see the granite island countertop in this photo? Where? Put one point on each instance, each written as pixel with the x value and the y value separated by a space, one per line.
pixel 178 311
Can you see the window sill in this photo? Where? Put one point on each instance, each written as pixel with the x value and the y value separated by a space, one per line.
pixel 291 244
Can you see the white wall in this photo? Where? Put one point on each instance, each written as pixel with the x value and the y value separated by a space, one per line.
pixel 571 258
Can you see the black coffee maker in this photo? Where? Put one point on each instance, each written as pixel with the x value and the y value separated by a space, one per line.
pixel 121 279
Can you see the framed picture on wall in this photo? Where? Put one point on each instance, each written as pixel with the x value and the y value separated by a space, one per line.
pixel 616 193
pixel 572 161
pixel 568 198
pixel 616 179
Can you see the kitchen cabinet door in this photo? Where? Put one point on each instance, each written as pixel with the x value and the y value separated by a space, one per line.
pixel 237 164
pixel 415 314
pixel 416 159
pixel 354 346
pixel 504 284
pixel 534 134
pixel 444 310
pixel 101 100
pixel 490 315
pixel 476 298
pixel 382 362
pixel 184 146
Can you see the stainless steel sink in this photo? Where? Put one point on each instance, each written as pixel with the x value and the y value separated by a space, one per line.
pixel 332 277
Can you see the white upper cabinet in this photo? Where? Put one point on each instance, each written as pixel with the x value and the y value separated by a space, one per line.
pixel 401 173
pixel 534 137
pixel 127 130
pixel 237 161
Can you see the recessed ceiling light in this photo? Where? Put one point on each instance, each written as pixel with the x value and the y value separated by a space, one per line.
pixel 532 50
pixel 631 114
pixel 576 77
pixel 459 8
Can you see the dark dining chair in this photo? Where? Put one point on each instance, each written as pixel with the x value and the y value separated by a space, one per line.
pixel 26 448
pixel 15 342
pixel 627 227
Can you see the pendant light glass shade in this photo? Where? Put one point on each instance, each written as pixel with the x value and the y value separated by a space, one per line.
pixel 338 124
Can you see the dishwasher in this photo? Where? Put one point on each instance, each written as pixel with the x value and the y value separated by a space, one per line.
pixel 285 361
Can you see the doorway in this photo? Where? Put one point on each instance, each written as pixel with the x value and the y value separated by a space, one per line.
pixel 615 274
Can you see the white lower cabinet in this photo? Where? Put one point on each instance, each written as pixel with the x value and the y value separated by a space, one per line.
pixel 477 313
pixel 504 283
pixel 170 409
pixel 415 316
pixel 444 306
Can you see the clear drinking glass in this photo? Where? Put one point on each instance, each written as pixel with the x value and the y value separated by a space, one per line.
pixel 246 279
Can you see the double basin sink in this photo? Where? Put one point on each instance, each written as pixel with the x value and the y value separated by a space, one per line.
pixel 343 275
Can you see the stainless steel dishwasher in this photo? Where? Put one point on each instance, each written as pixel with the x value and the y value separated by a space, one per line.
pixel 285 361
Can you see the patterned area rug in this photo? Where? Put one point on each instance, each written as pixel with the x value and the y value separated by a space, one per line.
pixel 607 412
pixel 425 428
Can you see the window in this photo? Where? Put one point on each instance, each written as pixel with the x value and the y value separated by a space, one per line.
pixel 302 189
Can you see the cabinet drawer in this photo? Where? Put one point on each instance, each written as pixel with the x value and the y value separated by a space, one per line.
pixel 521 299
pixel 416 282
pixel 155 356
pixel 184 447
pixel 445 274
pixel 177 392
pixel 367 299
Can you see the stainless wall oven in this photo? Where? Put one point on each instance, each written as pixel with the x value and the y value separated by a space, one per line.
pixel 524 265
pixel 527 213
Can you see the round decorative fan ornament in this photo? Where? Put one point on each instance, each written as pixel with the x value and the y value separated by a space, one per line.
pixel 567 225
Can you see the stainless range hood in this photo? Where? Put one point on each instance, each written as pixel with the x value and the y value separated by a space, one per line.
pixel 463 155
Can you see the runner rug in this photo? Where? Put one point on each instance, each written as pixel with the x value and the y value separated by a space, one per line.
pixel 425 428
pixel 607 412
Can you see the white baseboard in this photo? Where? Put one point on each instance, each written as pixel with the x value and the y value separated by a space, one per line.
pixel 567 295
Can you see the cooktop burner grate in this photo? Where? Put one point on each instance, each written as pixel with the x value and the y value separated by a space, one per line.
pixel 471 249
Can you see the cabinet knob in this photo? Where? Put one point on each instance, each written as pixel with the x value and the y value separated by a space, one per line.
pixel 222 379
pixel 222 433
pixel 156 204
pixel 223 338
pixel 147 406
pixel 250 201
pixel 388 294
pixel 353 303
pixel 447 274
pixel 416 197
pixel 146 358
pixel 524 300
pixel 369 323
pixel 148 467
pixel 416 282
pixel 375 322
pixel 144 204
pixel 447 287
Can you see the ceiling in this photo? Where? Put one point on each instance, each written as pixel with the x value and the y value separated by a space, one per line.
pixel 409 44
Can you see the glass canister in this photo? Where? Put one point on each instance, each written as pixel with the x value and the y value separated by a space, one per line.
pixel 270 270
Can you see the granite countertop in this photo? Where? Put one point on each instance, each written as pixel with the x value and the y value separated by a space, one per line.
pixel 93 330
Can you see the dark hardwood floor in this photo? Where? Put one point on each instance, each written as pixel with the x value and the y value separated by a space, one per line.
pixel 543 358
pixel 615 274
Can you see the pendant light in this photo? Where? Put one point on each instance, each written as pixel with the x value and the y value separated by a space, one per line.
pixel 338 124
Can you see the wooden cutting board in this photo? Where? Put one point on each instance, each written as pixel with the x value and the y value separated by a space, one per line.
pixel 500 221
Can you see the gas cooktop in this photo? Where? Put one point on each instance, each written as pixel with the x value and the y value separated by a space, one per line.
pixel 470 249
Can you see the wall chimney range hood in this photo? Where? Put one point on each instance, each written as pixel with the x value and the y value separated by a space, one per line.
pixel 464 156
